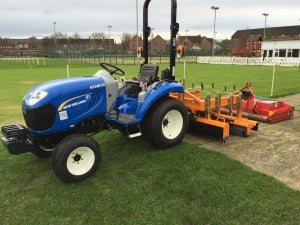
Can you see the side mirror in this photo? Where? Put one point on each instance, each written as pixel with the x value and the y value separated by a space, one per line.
pixel 180 51
pixel 139 51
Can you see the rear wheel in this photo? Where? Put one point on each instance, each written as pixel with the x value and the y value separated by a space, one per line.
pixel 166 123
pixel 76 158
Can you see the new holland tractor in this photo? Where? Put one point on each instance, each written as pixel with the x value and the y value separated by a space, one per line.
pixel 62 115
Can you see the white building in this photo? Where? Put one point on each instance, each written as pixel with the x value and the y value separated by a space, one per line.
pixel 272 42
pixel 281 48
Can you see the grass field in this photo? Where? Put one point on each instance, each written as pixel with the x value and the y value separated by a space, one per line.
pixel 136 183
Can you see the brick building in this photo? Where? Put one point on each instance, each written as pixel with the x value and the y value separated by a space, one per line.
pixel 279 42
pixel 158 44
pixel 80 44
pixel 190 42
pixel 133 45
pixel 196 42
pixel 206 44
pixel 14 44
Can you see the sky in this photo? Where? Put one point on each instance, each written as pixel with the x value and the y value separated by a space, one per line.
pixel 25 18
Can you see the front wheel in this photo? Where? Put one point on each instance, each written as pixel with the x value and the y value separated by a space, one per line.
pixel 166 123
pixel 76 158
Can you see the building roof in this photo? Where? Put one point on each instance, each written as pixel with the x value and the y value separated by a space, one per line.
pixel 158 37
pixel 192 39
pixel 287 30
pixel 8 41
pixel 134 38
pixel 254 38
pixel 209 39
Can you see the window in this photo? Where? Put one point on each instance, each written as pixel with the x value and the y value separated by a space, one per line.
pixel 270 53
pixel 276 53
pixel 265 54
pixel 289 53
pixel 295 53
pixel 282 52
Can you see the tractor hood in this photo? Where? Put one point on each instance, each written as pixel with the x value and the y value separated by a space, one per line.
pixel 58 89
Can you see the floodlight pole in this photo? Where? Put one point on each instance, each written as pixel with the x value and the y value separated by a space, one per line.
pixel 54 23
pixel 186 39
pixel 137 30
pixel 265 15
pixel 215 8
pixel 109 28
pixel 152 37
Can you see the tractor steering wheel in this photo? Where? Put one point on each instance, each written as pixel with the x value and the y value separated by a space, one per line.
pixel 116 70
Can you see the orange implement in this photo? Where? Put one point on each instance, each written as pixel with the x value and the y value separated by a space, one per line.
pixel 206 112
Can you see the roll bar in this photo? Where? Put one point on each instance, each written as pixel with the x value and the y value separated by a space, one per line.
pixel 174 30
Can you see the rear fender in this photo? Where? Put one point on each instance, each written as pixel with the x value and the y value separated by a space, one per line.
pixel 154 95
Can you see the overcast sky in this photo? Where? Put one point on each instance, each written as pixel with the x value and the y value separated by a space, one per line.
pixel 24 18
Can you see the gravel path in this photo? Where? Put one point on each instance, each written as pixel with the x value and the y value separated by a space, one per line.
pixel 274 149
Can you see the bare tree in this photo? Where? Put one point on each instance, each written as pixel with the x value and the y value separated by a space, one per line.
pixel 33 42
pixel 126 37
pixel 59 35
pixel 76 35
pixel 225 46
pixel 98 35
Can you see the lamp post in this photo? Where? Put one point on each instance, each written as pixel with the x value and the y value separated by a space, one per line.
pixel 152 37
pixel 215 8
pixel 137 29
pixel 265 15
pixel 186 39
pixel 109 28
pixel 54 23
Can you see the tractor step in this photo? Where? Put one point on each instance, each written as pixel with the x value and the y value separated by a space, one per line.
pixel 135 135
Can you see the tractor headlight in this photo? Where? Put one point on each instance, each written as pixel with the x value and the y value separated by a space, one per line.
pixel 36 97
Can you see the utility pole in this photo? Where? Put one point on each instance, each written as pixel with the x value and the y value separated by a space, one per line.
pixel 186 39
pixel 152 37
pixel 137 30
pixel 54 23
pixel 109 28
pixel 215 8
pixel 265 15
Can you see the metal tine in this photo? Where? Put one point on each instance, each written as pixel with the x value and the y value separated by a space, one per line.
pixel 207 105
pixel 218 102
pixel 230 105
pixel 239 106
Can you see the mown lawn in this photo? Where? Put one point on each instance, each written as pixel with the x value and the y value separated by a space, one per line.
pixel 136 183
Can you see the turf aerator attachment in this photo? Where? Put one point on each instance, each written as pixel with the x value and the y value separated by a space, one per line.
pixel 208 120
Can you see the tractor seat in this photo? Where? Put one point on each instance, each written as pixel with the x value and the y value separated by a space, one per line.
pixel 148 74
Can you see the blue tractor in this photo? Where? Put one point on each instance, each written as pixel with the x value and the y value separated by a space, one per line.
pixel 62 115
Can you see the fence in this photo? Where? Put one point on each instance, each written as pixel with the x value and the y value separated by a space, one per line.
pixel 250 61
pixel 116 59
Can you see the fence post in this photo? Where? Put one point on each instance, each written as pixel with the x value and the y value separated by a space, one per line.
pixel 160 57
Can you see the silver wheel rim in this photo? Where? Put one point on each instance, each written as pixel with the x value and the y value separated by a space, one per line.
pixel 172 124
pixel 80 161
pixel 46 149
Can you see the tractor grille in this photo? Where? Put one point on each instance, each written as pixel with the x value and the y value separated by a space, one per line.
pixel 95 99
pixel 41 118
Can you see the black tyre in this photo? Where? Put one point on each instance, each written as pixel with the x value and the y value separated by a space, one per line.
pixel 42 151
pixel 166 123
pixel 76 158
pixel 123 130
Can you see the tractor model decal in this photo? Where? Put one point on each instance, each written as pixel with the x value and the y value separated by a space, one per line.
pixel 63 105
